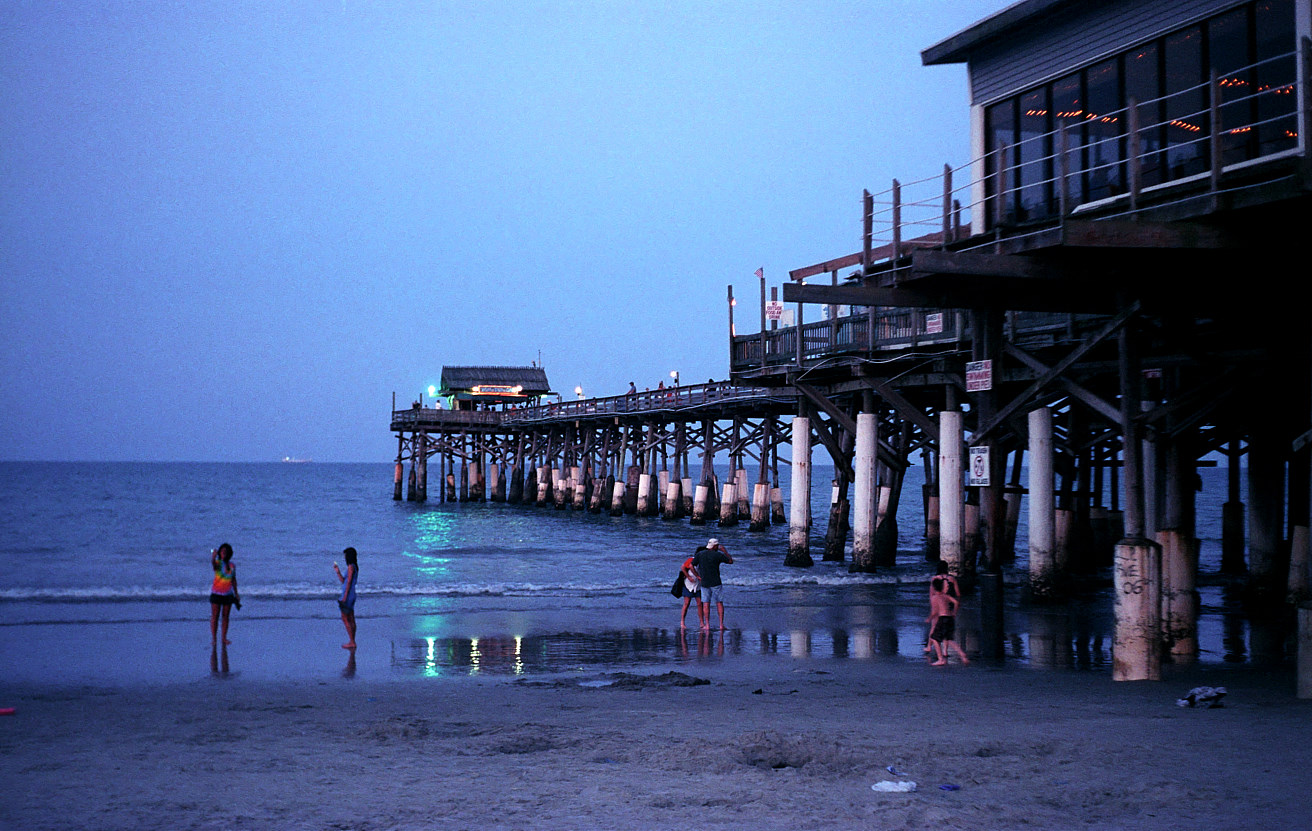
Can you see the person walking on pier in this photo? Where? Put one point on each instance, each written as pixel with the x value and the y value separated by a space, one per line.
pixel 346 600
pixel 707 560
pixel 692 583
pixel 223 591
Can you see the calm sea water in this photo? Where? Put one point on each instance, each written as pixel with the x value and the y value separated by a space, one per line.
pixel 120 545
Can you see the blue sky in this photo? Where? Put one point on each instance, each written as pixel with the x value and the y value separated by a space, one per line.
pixel 229 231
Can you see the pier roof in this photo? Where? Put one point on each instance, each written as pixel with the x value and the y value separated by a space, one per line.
pixel 531 380
pixel 957 48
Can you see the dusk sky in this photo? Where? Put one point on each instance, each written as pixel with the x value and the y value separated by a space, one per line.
pixel 229 231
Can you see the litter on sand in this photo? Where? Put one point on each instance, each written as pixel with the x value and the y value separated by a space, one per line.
pixel 893 787
pixel 1209 697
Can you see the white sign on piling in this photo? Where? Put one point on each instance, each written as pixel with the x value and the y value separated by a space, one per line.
pixel 774 310
pixel 979 467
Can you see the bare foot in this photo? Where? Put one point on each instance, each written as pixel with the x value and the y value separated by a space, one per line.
pixel 939 664
pixel 226 642
pixel 928 649
pixel 965 661
pixel 350 645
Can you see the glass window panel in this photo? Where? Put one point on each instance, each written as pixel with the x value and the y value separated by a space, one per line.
pixel 1068 114
pixel 1273 77
pixel 1033 154
pixel 1000 132
pixel 1143 84
pixel 1185 103
pixel 1227 51
pixel 1104 119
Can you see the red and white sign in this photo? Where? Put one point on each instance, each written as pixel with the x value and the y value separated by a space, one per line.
pixel 979 376
pixel 934 323
pixel 774 310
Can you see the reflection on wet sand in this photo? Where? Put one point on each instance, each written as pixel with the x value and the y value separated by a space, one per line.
pixel 219 661
pixel 1047 638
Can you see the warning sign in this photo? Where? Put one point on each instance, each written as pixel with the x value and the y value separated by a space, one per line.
pixel 979 467
pixel 774 310
pixel 979 376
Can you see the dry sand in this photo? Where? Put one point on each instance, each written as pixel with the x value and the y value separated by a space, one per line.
pixel 738 743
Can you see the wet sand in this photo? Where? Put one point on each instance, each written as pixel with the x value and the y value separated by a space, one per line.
pixel 747 741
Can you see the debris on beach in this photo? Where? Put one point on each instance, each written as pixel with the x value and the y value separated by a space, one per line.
pixel 890 786
pixel 1208 697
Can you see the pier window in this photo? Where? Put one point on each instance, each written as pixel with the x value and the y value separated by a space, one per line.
pixel 1185 100
pixel 1250 48
pixel 1033 155
pixel 1103 140
pixel 1273 76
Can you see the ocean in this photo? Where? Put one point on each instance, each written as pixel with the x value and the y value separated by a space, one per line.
pixel 104 579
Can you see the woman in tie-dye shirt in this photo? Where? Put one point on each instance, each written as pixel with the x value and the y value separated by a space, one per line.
pixel 223 592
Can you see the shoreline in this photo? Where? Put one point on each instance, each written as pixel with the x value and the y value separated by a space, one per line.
pixel 744 742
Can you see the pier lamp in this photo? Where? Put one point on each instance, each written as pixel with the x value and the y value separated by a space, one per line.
pixel 674 373
pixel 432 392
pixel 579 391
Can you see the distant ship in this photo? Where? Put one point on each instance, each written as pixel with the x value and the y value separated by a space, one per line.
pixel 296 461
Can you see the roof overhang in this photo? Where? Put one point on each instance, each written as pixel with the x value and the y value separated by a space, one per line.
pixel 957 48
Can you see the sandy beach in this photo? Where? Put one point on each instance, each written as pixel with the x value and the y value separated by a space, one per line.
pixel 741 742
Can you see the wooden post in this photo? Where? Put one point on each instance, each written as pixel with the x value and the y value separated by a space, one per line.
pixel 1305 650
pixel 618 498
pixel 1042 515
pixel 864 492
pixel 1137 581
pixel 1136 587
pixel 897 219
pixel 421 460
pixel 799 526
pixel 947 205
pixel 729 506
pixel 1232 516
pixel 951 505
pixel 411 485
pixel 399 473
pixel 1133 151
pixel 1267 571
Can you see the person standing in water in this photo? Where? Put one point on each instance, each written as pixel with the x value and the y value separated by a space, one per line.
pixel 223 591
pixel 346 600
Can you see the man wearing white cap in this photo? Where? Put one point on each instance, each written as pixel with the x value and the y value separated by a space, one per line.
pixel 708 559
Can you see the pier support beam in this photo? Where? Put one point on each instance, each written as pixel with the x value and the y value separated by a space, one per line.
pixel 864 493
pixel 1042 513
pixel 1267 569
pixel 1136 650
pixel 799 525
pixel 951 504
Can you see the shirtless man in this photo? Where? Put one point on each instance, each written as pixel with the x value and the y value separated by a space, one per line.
pixel 943 621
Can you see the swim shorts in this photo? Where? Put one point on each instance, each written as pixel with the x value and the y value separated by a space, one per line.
pixel 222 599
pixel 712 594
pixel 944 628
pixel 347 608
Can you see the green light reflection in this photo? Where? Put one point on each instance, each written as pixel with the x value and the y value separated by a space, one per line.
pixel 434 530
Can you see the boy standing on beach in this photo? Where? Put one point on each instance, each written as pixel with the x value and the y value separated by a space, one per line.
pixel 943 621
pixel 708 559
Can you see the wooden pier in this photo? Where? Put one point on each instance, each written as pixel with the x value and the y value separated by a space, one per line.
pixel 1041 339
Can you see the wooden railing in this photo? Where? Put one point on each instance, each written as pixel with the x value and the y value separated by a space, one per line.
pixel 646 401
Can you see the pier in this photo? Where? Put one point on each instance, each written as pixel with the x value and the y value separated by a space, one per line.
pixel 1069 324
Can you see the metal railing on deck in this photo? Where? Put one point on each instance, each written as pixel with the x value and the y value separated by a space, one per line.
pixel 646 401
